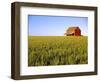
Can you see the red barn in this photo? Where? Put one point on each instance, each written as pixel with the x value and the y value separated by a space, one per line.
pixel 73 31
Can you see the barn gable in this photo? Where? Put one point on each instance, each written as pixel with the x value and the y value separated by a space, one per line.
pixel 73 31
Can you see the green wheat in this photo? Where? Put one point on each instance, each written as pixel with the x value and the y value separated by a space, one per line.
pixel 57 50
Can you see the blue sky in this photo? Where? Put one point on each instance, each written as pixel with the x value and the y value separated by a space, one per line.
pixel 55 25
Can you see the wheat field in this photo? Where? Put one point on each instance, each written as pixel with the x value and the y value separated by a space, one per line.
pixel 57 50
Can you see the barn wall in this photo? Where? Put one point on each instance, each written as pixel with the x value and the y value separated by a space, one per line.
pixel 77 32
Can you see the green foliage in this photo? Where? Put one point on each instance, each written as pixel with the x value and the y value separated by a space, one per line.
pixel 57 50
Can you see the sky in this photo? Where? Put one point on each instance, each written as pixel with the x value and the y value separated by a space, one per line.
pixel 55 25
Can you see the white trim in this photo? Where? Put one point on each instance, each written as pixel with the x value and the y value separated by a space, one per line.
pixel 25 70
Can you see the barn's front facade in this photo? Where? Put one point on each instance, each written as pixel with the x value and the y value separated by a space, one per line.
pixel 73 31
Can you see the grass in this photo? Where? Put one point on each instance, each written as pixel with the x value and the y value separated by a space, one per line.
pixel 57 50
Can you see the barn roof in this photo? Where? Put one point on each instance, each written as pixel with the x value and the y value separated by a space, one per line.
pixel 72 29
